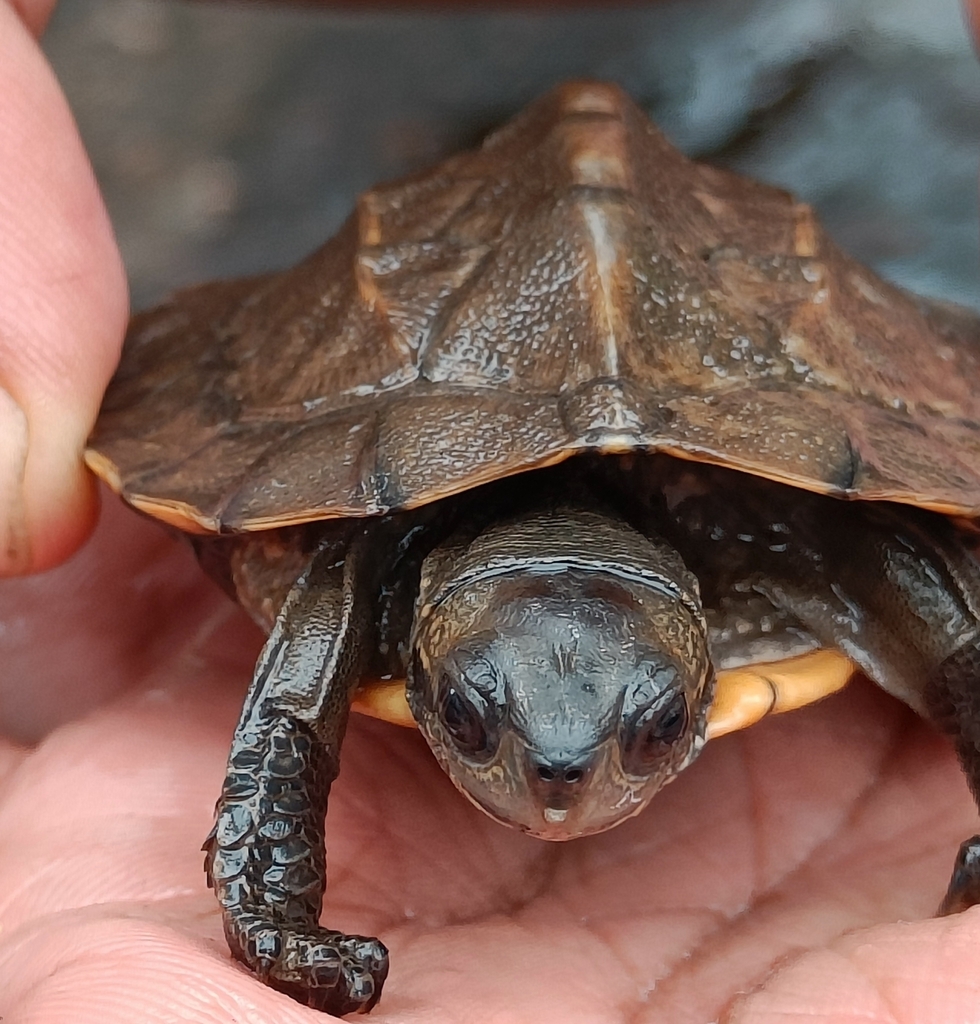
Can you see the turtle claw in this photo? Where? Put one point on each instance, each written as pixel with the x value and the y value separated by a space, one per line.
pixel 324 969
pixel 964 886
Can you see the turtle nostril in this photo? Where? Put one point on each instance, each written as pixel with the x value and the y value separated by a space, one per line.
pixel 564 773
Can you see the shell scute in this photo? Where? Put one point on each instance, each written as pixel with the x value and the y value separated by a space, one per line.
pixel 576 283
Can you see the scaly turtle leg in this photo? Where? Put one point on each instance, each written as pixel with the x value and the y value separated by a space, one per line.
pixel 265 855
pixel 953 698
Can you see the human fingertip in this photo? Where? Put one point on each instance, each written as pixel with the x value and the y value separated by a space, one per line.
pixel 74 512
pixel 48 499
pixel 15 552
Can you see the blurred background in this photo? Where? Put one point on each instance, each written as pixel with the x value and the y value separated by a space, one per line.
pixel 233 138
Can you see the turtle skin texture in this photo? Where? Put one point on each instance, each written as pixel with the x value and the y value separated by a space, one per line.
pixel 572 320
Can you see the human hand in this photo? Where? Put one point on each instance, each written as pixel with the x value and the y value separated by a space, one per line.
pixel 729 898
pixel 741 877
pixel 62 305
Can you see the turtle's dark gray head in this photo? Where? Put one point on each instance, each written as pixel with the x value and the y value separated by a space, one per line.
pixel 560 670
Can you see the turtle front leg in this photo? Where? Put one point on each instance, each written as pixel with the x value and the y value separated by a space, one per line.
pixel 952 696
pixel 266 855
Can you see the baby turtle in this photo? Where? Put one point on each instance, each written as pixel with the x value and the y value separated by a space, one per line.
pixel 557 433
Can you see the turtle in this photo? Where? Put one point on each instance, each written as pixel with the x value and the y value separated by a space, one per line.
pixel 574 453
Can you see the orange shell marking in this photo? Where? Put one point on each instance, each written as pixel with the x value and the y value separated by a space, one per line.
pixel 743 696
pixel 384 700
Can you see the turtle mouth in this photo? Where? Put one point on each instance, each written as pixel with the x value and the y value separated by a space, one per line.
pixel 558 831
pixel 560 825
pixel 554 825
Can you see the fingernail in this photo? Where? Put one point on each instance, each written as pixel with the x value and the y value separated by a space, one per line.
pixel 14 436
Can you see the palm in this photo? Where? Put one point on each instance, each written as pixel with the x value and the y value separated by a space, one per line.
pixel 774 844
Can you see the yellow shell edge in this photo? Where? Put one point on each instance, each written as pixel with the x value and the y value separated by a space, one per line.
pixel 743 696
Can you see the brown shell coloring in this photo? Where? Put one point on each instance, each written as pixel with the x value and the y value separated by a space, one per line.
pixel 576 283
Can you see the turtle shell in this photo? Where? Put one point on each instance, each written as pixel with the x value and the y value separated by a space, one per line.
pixel 576 283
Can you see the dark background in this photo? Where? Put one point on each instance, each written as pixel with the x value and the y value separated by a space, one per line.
pixel 230 139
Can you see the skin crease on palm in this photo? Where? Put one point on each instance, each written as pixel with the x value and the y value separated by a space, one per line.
pixel 763 887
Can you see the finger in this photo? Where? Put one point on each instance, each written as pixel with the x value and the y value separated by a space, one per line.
pixel 972 8
pixel 34 13
pixel 62 308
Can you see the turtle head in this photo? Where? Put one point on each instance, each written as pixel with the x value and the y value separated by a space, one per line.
pixel 560 688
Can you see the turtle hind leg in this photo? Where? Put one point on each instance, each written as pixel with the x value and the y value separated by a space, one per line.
pixel 952 696
pixel 266 857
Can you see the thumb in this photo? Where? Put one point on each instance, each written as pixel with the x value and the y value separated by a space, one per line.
pixel 62 306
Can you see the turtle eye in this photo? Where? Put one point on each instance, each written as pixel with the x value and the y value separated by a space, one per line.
pixel 462 720
pixel 651 735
